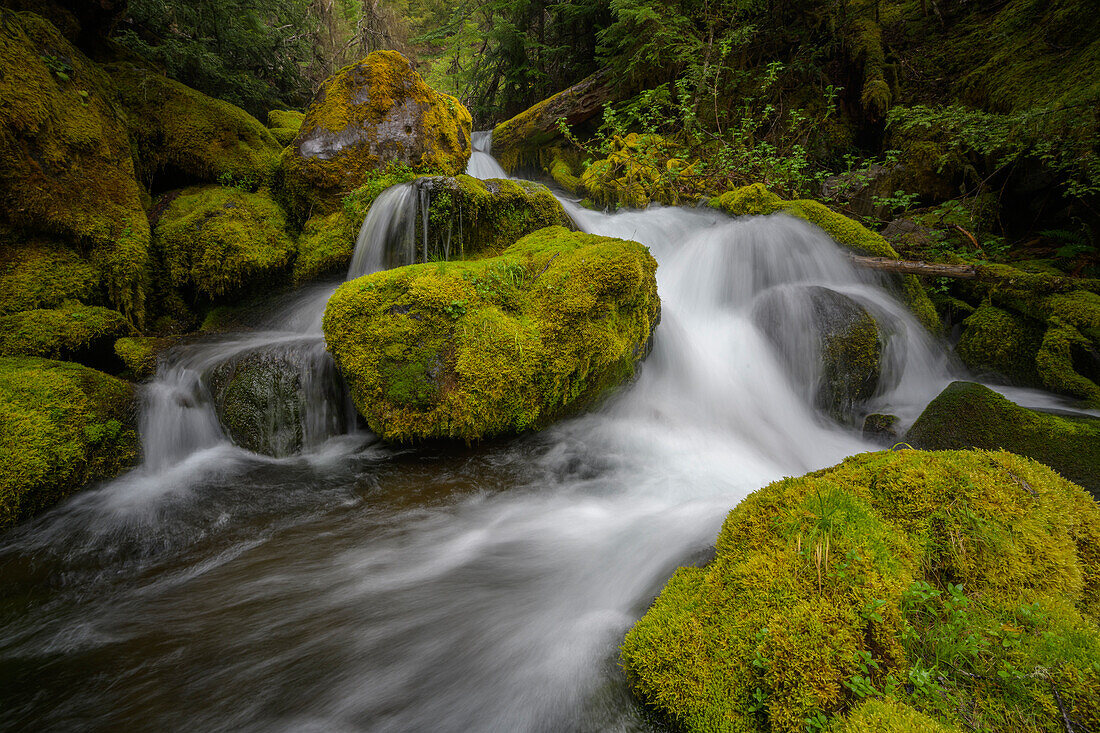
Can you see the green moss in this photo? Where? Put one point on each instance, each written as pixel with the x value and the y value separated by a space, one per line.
pixel 994 340
pixel 563 170
pixel 178 130
pixel 473 349
pixel 325 246
pixel 832 588
pixel 72 332
pixel 284 125
pixel 370 114
pixel 62 139
pixel 42 274
pixel 61 426
pixel 969 415
pixel 140 353
pixel 757 200
pixel 851 360
pixel 220 240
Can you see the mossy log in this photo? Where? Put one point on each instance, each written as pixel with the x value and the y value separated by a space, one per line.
pixel 851 583
pixel 469 350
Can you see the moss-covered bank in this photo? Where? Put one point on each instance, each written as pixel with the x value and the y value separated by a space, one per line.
pixel 72 332
pixel 757 200
pixel 965 585
pixel 968 415
pixel 473 349
pixel 61 426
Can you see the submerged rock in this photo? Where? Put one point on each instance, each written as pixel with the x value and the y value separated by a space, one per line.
pixel 220 241
pixel 848 584
pixel 369 115
pixel 469 350
pixel 968 415
pixel 265 398
pixel 828 342
pixel 757 200
pixel 62 426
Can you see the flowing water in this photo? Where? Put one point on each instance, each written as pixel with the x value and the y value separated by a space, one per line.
pixel 361 586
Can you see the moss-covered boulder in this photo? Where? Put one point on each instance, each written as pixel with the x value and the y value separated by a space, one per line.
pixel 995 341
pixel 219 241
pixel 501 345
pixel 829 343
pixel 285 124
pixel 62 426
pixel 72 332
pixel 42 274
pixel 140 354
pixel 968 415
pixel 965 585
pixel 757 200
pixel 370 114
pixel 183 136
pixel 65 160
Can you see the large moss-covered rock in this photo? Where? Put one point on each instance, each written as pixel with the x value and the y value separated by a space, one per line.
pixel 140 354
pixel 807 322
pixel 757 200
pixel 968 415
pixel 999 342
pixel 72 332
pixel 965 585
pixel 220 240
pixel 43 274
pixel 183 136
pixel 61 426
pixel 370 114
pixel 285 124
pixel 473 349
pixel 65 159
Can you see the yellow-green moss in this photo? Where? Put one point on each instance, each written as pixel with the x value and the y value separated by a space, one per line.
pixel 65 157
pixel 757 200
pixel 61 426
pixel 994 340
pixel 221 240
pixel 325 245
pixel 636 172
pixel 890 716
pixel 370 114
pixel 140 353
pixel 832 588
pixel 42 274
pixel 285 124
pixel 968 415
pixel 473 349
pixel 72 332
pixel 180 131
pixel 563 169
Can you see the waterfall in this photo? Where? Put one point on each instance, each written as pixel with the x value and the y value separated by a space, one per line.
pixel 482 164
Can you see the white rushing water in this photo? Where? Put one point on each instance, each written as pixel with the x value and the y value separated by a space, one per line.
pixel 437 589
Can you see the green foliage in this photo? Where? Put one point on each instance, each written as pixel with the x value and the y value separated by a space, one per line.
pixel 855 596
pixel 468 350
pixel 61 426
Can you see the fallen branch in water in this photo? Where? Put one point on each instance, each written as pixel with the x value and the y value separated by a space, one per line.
pixel 909 267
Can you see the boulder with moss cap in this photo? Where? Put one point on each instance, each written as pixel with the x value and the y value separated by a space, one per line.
pixel 370 114
pixel 470 350
pixel 63 138
pixel 62 426
pixel 852 582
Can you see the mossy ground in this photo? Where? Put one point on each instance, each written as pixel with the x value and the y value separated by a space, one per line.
pixel 473 349
pixel 756 200
pixel 61 426
pixel 220 241
pixel 965 585
pixel 968 415
pixel 370 114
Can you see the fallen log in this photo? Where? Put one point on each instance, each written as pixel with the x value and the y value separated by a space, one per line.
pixel 1004 276
pixel 910 267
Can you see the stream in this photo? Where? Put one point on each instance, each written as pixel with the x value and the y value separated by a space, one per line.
pixel 357 586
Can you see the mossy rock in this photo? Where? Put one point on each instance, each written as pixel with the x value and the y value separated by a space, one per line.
pixel 845 341
pixel 369 115
pixel 881 428
pixel 42 274
pixel 140 354
pixel 62 426
pixel 473 349
pixel 285 124
pixel 220 241
pixel 184 137
pixel 72 332
pixel 998 342
pixel 968 415
pixel 62 139
pixel 854 581
pixel 757 200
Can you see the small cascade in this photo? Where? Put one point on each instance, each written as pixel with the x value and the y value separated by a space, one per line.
pixel 482 164
pixel 388 235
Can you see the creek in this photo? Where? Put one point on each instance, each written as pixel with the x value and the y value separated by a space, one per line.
pixel 354 585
